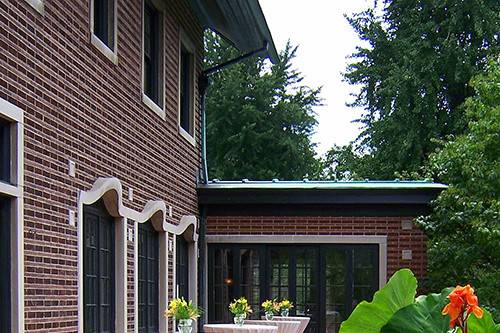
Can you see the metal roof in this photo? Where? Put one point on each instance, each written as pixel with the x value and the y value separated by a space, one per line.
pixel 323 185
pixel 241 22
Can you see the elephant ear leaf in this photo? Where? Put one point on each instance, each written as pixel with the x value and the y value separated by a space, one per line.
pixel 423 316
pixel 483 325
pixel 370 317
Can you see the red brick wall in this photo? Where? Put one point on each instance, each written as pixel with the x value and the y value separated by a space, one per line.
pixel 397 238
pixel 80 106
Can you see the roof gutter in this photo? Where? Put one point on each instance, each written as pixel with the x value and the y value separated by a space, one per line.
pixel 204 83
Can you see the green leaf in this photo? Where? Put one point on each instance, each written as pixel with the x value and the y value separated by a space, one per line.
pixel 423 316
pixel 483 325
pixel 370 317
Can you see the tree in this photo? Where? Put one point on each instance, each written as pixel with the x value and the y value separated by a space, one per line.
pixel 464 228
pixel 413 71
pixel 260 117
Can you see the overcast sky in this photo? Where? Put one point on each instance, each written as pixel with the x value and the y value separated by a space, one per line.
pixel 325 39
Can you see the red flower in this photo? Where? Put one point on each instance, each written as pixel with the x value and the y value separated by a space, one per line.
pixel 463 302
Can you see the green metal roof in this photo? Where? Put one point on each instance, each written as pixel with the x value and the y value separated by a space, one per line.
pixel 324 185
pixel 241 22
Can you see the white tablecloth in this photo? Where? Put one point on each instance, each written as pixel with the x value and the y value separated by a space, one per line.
pixel 284 326
pixel 303 322
pixel 232 328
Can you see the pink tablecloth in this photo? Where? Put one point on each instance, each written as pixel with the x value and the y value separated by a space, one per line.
pixel 231 328
pixel 303 322
pixel 284 326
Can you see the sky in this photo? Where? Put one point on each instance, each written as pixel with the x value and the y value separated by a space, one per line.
pixel 325 39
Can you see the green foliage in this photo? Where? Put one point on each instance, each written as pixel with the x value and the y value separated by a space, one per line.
pixel 423 316
pixel 413 70
pixel 260 117
pixel 395 310
pixel 464 228
pixel 370 317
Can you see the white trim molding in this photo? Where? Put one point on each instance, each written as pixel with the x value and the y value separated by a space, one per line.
pixel 380 240
pixel 15 191
pixel 37 5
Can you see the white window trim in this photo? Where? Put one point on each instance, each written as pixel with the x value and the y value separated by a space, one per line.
pixel 305 239
pixel 37 5
pixel 94 40
pixel 15 191
pixel 158 109
pixel 187 43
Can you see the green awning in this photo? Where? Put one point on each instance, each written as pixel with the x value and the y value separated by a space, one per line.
pixel 241 22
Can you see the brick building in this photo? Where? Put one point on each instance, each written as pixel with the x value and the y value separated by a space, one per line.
pixel 102 215
pixel 325 245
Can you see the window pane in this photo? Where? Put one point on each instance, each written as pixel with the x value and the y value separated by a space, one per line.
pixel 182 267
pixel 5 158
pixel 186 90
pixel 98 266
pixel 148 278
pixel 152 47
pixel 104 21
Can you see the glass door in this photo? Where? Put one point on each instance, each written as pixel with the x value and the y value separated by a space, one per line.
pixel 293 274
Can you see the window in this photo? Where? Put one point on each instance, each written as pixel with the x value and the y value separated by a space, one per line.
pixel 186 87
pixel 153 54
pixel 11 217
pixel 186 97
pixel 98 268
pixel 148 279
pixel 182 267
pixel 5 263
pixel 5 144
pixel 103 21
pixel 346 275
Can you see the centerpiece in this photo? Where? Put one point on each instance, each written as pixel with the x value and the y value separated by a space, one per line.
pixel 184 313
pixel 270 308
pixel 240 309
pixel 284 307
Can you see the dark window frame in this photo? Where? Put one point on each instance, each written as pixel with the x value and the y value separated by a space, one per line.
pixel 5 263
pixel 186 89
pixel 182 267
pixel 152 37
pixel 104 22
pixel 5 150
pixel 264 254
pixel 103 223
pixel 148 278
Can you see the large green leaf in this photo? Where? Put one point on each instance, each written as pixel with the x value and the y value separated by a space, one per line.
pixel 424 316
pixel 483 325
pixel 370 317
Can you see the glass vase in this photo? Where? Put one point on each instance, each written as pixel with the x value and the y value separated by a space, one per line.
pixel 285 312
pixel 269 315
pixel 185 325
pixel 239 319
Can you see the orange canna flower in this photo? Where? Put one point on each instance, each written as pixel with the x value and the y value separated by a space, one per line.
pixel 463 302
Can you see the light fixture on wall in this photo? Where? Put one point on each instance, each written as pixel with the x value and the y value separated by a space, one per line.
pixel 228 281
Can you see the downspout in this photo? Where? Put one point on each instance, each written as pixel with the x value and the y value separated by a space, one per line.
pixel 203 84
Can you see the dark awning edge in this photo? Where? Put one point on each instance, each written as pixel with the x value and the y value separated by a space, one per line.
pixel 241 22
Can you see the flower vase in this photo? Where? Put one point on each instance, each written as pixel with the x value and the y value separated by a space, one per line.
pixel 185 325
pixel 239 319
pixel 269 315
pixel 285 312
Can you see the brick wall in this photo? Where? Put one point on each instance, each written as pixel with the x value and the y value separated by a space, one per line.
pixel 80 106
pixel 397 238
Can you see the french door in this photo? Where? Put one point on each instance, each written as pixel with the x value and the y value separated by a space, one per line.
pixel 325 282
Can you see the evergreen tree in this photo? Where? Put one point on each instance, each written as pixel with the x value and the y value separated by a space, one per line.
pixel 260 117
pixel 414 71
